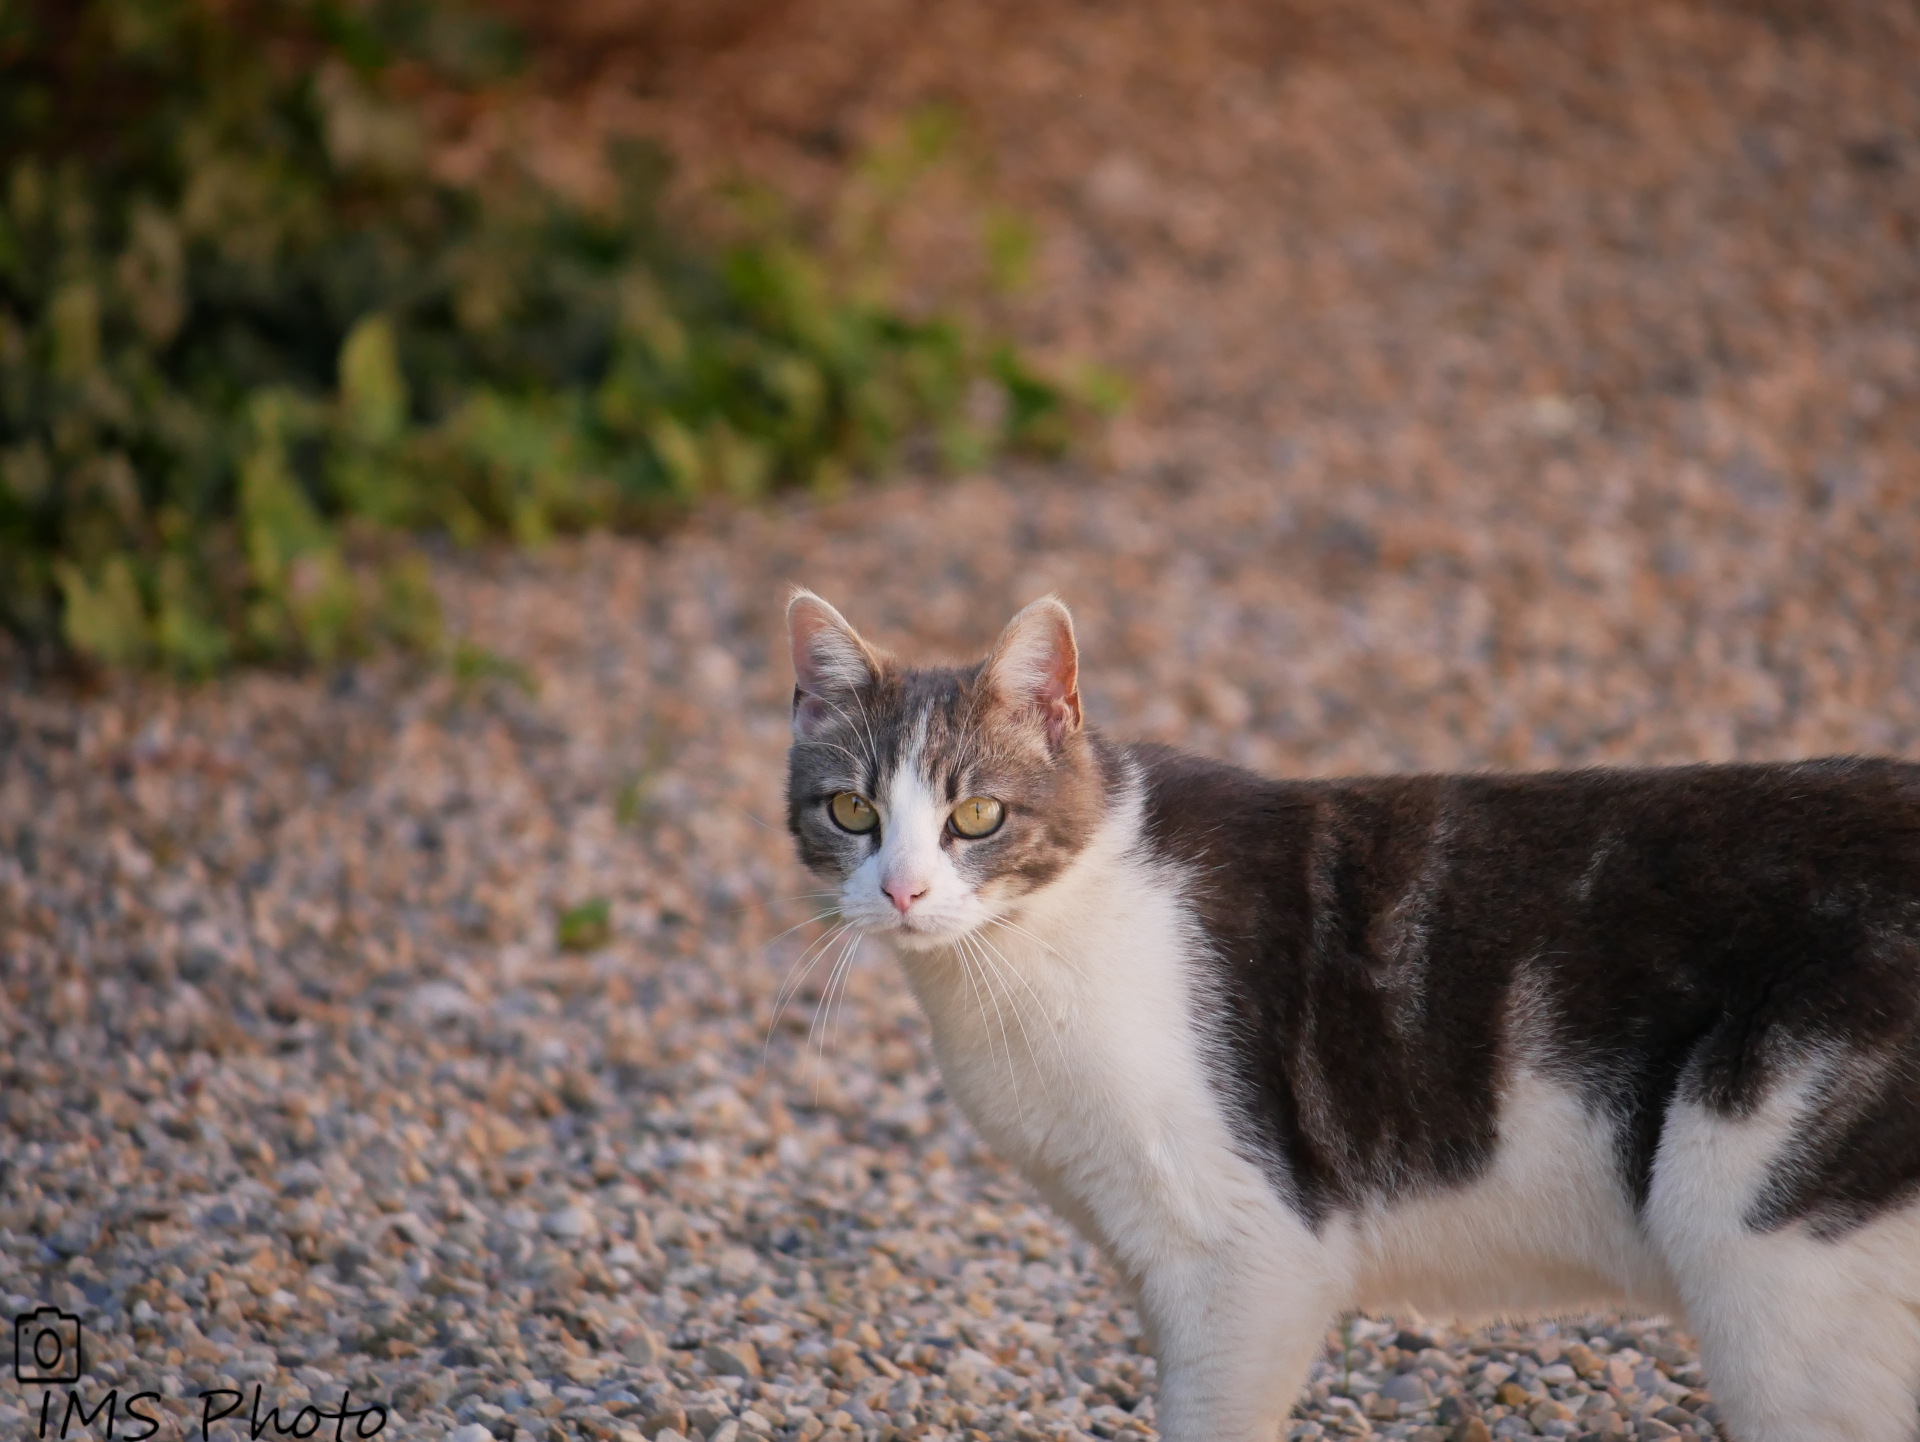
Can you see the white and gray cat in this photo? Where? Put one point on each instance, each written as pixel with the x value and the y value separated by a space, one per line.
pixel 1477 1044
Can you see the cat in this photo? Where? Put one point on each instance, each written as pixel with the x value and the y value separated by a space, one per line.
pixel 1478 1044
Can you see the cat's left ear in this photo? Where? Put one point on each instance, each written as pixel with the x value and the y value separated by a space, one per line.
pixel 831 664
pixel 1035 668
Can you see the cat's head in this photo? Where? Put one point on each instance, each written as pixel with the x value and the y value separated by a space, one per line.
pixel 936 798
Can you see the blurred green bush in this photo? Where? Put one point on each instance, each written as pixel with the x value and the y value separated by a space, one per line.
pixel 250 346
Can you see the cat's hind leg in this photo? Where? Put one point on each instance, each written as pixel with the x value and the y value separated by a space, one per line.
pixel 1805 1336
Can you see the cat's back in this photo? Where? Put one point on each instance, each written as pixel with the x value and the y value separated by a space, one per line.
pixel 1678 849
pixel 1832 810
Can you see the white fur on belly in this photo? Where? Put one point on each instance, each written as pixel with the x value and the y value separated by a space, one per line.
pixel 1548 1227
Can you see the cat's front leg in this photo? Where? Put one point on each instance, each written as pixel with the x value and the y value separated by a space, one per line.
pixel 1233 1339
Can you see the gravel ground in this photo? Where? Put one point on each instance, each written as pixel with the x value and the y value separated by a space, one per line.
pixel 1515 391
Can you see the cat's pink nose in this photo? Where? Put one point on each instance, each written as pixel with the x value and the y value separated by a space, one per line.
pixel 904 893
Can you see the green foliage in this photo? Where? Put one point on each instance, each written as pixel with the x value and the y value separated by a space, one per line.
pixel 474 665
pixel 584 927
pixel 250 345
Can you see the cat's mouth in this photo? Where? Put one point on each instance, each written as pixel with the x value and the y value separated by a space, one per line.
pixel 919 933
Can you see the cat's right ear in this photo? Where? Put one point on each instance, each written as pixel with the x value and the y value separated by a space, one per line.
pixel 1035 668
pixel 830 662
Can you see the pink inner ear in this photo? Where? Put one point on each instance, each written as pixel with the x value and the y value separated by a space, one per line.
pixel 1061 697
pixel 1037 667
pixel 829 661
pixel 805 624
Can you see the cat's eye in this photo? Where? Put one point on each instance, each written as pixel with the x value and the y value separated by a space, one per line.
pixel 977 816
pixel 853 812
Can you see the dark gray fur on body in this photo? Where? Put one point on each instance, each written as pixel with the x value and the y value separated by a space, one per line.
pixel 1382 949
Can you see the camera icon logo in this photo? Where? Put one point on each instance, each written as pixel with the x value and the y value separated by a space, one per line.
pixel 46 1347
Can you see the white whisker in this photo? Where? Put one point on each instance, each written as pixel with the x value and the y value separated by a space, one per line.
pixel 790 988
pixel 817 916
pixel 1053 1022
pixel 816 1034
pixel 1006 1042
pixel 821 942
pixel 846 979
pixel 824 1006
pixel 966 970
pixel 872 760
pixel 744 907
pixel 835 745
pixel 867 721
pixel 998 969
pixel 1039 940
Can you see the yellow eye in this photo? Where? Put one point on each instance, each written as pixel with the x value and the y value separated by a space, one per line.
pixel 853 812
pixel 978 816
